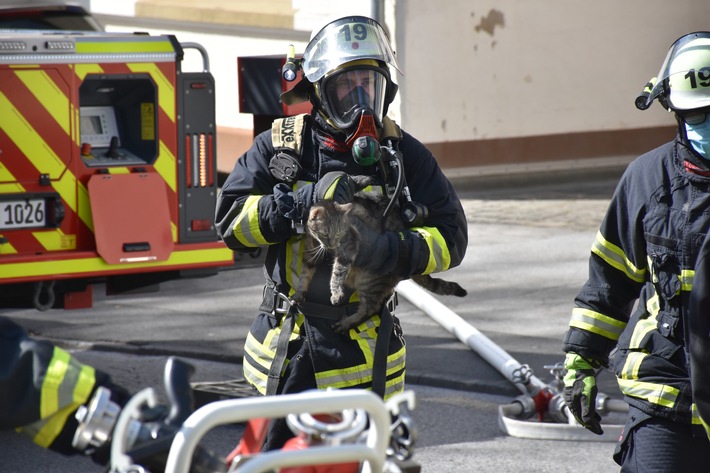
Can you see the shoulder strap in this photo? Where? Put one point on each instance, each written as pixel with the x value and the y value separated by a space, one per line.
pixel 287 139
pixel 287 133
pixel 390 130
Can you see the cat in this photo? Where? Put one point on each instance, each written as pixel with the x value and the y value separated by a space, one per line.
pixel 330 231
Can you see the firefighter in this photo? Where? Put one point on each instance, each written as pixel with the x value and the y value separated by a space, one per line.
pixel 41 388
pixel 644 253
pixel 699 315
pixel 265 200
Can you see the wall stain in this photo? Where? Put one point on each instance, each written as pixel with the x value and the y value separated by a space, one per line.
pixel 488 23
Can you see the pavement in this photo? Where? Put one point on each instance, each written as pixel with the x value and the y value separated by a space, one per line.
pixel 529 239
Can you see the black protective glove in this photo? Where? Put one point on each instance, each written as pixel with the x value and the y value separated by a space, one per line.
pixel 580 391
pixel 295 204
pixel 378 252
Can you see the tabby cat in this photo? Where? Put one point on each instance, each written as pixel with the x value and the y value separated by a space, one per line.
pixel 330 231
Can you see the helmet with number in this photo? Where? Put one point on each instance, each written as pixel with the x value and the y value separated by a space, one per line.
pixel 347 62
pixel 683 83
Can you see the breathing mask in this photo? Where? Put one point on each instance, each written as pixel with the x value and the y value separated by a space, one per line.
pixel 697 131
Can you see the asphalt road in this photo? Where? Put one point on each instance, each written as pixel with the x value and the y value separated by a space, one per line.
pixel 529 242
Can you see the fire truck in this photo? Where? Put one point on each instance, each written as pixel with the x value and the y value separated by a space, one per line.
pixel 107 166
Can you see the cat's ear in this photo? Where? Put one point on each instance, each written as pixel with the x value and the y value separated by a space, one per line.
pixel 315 213
pixel 347 207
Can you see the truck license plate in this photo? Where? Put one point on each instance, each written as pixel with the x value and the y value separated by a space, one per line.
pixel 25 213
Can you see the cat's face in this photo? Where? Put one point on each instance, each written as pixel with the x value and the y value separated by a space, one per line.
pixel 328 223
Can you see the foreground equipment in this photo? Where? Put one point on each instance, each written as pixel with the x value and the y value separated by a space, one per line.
pixel 107 166
pixel 344 430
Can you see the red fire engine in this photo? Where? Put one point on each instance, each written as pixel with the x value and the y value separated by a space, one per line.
pixel 107 166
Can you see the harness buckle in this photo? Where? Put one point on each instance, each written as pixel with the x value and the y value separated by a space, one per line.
pixel 392 302
pixel 282 304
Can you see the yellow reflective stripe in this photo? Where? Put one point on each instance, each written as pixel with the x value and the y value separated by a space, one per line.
pixel 642 328
pixel 165 166
pixel 166 91
pixel 66 385
pixel 615 257
pixel 686 279
pixel 83 209
pixel 246 227
pixel 367 344
pixel 123 47
pixel 90 265
pixel 82 70
pixel 7 177
pixel 48 94
pixel 55 240
pixel 7 248
pixel 695 415
pixel 632 365
pixel 659 394
pixel 49 395
pixel 254 377
pixel 439 256
pixel 595 322
pixel 362 373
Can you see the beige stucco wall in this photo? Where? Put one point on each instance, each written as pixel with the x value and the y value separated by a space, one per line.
pixel 482 69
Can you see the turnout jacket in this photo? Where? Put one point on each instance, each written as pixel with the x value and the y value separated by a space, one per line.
pixel 700 334
pixel 645 252
pixel 248 217
pixel 41 387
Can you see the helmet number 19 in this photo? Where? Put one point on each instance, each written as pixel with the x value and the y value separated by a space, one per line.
pixel 359 32
pixel 702 75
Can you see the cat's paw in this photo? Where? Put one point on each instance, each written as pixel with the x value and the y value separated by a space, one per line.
pixel 298 297
pixel 342 326
pixel 336 298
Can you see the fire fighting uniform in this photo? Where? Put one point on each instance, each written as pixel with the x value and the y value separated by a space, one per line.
pixel 645 251
pixel 699 313
pixel 248 217
pixel 42 386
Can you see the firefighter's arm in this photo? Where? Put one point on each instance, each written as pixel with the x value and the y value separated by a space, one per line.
pixel 42 386
pixel 254 209
pixel 436 245
pixel 699 340
pixel 617 271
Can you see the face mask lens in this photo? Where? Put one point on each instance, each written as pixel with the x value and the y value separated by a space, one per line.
pixel 350 92
pixel 695 118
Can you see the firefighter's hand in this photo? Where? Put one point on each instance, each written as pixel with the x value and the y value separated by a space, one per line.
pixel 378 252
pixel 335 185
pixel 295 204
pixel 580 391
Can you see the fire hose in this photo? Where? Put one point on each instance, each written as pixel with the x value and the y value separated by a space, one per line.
pixel 554 422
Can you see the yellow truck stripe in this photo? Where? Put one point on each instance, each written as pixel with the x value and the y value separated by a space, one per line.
pixel 123 47
pixel 48 94
pixel 95 264
pixel 166 92
pixel 41 155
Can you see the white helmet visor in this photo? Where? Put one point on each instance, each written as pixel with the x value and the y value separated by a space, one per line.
pixel 344 40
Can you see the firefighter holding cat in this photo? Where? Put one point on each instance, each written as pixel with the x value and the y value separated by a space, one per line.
pixel 645 254
pixel 265 201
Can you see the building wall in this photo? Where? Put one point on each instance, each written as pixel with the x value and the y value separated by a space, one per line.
pixel 490 82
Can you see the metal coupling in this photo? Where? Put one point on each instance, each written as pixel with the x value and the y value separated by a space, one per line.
pixel 96 422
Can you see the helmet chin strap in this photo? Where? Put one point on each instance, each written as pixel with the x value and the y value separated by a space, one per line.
pixel 364 143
